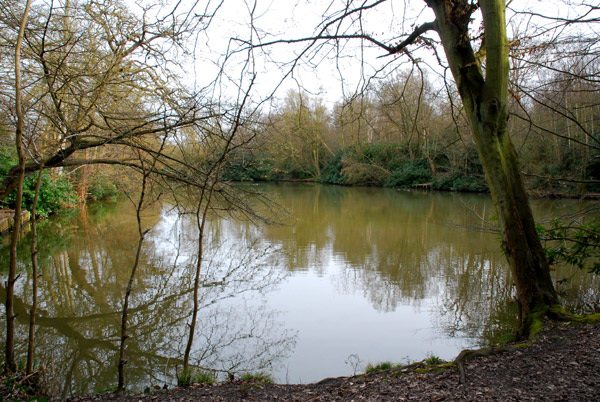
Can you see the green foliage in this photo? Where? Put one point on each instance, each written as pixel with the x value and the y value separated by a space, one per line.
pixel 378 367
pixel 593 172
pixel 243 165
pixel 195 376
pixel 387 156
pixel 332 172
pixel 102 188
pixel 106 390
pixel 7 159
pixel 21 387
pixel 575 244
pixel 55 193
pixel 259 377
pixel 378 164
pixel 409 174
pixel 433 360
pixel 460 182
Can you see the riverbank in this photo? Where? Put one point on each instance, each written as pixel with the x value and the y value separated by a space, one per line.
pixel 7 219
pixel 562 364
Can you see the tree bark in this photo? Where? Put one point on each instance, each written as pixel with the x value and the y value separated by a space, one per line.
pixel 486 102
pixel 12 268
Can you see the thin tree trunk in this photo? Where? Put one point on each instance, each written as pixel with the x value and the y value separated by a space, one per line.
pixel 141 235
pixel 212 177
pixel 34 274
pixel 200 222
pixel 124 316
pixel 12 269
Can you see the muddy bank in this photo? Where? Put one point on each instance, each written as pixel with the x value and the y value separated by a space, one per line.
pixel 562 364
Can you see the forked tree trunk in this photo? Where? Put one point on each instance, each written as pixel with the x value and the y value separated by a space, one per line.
pixel 486 103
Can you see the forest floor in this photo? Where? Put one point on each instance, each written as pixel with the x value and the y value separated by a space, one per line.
pixel 563 363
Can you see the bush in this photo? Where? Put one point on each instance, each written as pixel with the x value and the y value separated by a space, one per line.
pixel 260 377
pixel 573 243
pixel 332 172
pixel 410 174
pixel 387 156
pixel 54 193
pixel 102 187
pixel 433 360
pixel 195 376
pixel 378 367
pixel 247 166
pixel 460 182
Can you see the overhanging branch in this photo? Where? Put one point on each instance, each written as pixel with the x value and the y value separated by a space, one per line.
pixel 420 30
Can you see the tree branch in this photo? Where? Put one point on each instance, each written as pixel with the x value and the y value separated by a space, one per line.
pixel 420 30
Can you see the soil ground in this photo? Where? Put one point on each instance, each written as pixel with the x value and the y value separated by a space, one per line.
pixel 563 363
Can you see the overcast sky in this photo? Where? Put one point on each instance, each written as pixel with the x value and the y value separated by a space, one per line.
pixel 323 73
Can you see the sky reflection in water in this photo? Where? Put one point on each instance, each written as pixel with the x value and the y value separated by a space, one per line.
pixel 357 274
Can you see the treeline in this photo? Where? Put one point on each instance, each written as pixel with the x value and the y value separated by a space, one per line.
pixel 407 131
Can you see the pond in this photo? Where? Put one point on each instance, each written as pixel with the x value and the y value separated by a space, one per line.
pixel 352 276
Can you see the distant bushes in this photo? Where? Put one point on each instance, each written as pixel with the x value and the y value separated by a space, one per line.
pixel 380 165
pixel 410 174
pixel 460 182
pixel 102 187
pixel 55 192
pixel 246 166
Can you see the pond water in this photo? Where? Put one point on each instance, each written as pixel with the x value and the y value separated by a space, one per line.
pixel 352 276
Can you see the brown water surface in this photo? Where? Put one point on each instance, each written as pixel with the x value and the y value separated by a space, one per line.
pixel 353 276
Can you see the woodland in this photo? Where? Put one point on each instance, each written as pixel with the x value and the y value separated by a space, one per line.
pixel 95 101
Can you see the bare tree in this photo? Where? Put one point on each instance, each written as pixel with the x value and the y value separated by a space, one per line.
pixel 478 60
pixel 139 207
pixel 102 83
pixel 20 173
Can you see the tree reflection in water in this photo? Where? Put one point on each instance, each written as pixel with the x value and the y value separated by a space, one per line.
pixel 404 248
pixel 84 271
pixel 350 252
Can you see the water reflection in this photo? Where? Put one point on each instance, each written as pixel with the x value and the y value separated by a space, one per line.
pixel 85 264
pixel 415 248
pixel 378 273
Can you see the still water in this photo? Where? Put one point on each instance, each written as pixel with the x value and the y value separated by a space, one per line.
pixel 351 276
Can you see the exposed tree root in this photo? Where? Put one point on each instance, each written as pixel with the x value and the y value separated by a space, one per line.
pixel 468 354
pixel 533 324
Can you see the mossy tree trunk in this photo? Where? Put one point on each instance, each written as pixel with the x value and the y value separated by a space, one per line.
pixel 485 99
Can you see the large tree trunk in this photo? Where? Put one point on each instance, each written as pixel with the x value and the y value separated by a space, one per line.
pixel 520 240
pixel 486 102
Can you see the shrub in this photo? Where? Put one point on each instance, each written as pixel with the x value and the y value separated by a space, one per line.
pixel 378 367
pixel 243 165
pixel 259 377
pixel 574 243
pixel 432 360
pixel 195 376
pixel 332 172
pixel 460 182
pixel 55 193
pixel 102 187
pixel 410 174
